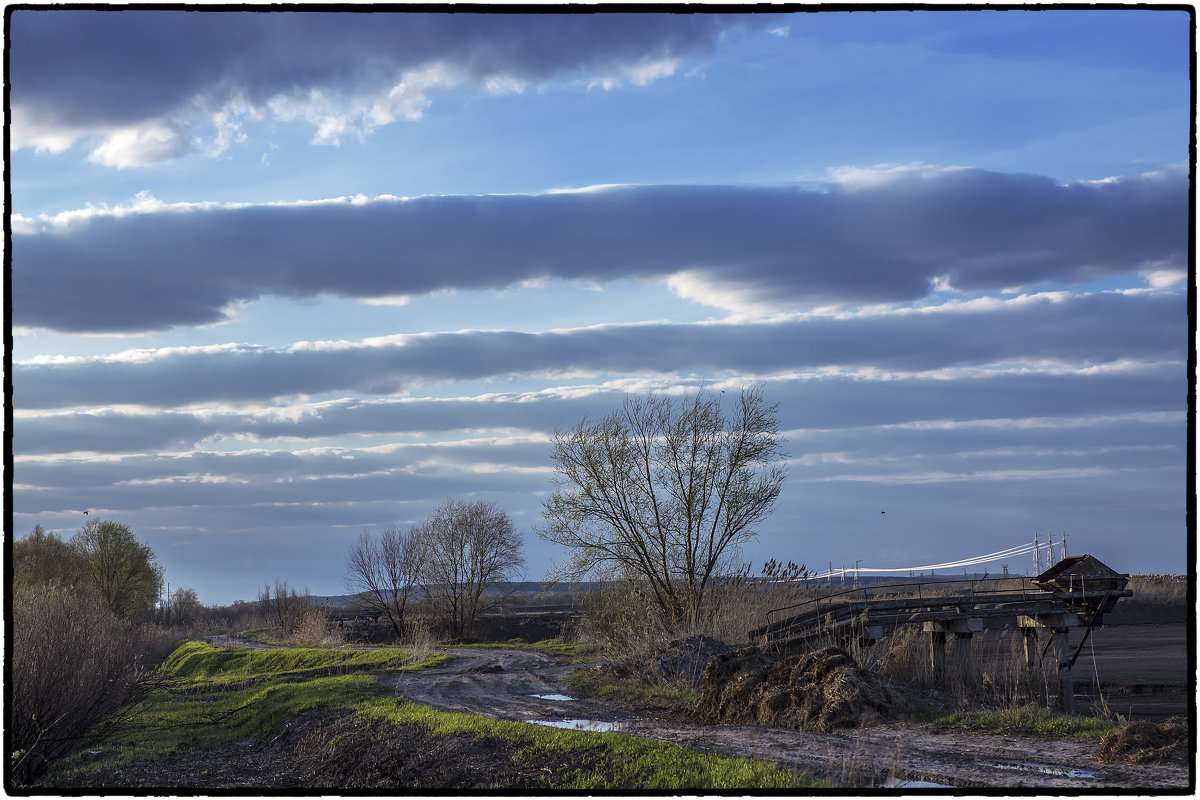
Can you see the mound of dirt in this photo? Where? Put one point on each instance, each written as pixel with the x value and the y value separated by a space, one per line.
pixel 484 669
pixel 684 660
pixel 1147 743
pixel 818 691
pixel 680 663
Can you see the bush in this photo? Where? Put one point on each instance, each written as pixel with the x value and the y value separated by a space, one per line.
pixel 73 664
pixel 313 627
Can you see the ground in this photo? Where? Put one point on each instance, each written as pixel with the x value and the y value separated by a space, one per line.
pixel 897 750
pixel 527 685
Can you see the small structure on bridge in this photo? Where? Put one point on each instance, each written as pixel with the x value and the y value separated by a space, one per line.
pixel 1075 592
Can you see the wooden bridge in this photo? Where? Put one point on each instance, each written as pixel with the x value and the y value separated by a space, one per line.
pixel 1075 592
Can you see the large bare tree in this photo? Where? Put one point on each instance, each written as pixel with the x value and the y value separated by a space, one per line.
pixel 471 547
pixel 665 491
pixel 385 571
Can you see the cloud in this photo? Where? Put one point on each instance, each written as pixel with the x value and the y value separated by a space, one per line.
pixel 1086 331
pixel 140 145
pixel 76 72
pixel 917 409
pixel 886 240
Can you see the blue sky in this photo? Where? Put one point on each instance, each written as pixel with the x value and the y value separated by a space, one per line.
pixel 279 278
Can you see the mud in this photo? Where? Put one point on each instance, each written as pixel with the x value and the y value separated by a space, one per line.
pixel 819 691
pixel 869 756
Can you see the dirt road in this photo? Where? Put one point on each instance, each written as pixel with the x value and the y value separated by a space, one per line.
pixel 506 684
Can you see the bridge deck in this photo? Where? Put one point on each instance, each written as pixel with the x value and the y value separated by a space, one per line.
pixel 890 605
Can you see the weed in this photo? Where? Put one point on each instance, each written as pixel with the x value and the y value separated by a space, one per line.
pixel 587 683
pixel 573 651
pixel 1027 721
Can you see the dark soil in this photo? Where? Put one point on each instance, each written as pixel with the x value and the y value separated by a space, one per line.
pixel 339 749
pixel 819 691
pixel 1147 743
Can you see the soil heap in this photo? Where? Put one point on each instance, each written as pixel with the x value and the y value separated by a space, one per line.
pixel 680 663
pixel 1147 742
pixel 818 691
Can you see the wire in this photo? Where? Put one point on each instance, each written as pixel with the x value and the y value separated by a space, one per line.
pixel 999 555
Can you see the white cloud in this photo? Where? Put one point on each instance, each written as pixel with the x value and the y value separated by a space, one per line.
pixel 1163 278
pixel 27 130
pixel 141 145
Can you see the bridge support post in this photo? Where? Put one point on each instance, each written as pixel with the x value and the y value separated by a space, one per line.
pixel 1062 655
pixel 937 654
pixel 962 628
pixel 1059 624
pixel 1029 638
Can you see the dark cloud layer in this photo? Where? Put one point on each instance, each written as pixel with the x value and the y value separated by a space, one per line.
pixel 823 404
pixel 885 242
pixel 1088 329
pixel 78 67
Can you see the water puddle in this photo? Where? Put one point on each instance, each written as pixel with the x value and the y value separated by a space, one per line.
pixel 900 783
pixel 1042 769
pixel 596 725
pixel 552 697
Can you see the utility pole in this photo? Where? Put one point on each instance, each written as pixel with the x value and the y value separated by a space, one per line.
pixel 1064 544
pixel 1037 556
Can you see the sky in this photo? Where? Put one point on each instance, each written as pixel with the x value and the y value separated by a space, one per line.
pixel 279 278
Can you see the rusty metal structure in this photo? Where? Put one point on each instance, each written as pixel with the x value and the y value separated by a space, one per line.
pixel 1075 592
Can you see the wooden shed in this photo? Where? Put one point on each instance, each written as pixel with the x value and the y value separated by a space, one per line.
pixel 1087 578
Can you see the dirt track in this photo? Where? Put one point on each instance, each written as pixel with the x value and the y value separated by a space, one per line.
pixel 501 683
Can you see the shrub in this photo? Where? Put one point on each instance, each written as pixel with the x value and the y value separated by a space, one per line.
pixel 73 664
pixel 313 627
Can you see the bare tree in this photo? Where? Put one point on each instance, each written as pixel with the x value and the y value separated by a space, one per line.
pixel 471 547
pixel 283 606
pixel 183 607
pixel 665 492
pixel 385 571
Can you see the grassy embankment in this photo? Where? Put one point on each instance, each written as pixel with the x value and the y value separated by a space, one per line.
pixel 221 696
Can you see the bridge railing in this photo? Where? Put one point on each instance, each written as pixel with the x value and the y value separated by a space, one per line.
pixel 1004 588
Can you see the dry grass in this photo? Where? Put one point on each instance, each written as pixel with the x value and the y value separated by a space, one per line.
pixel 312 627
pixel 1163 590
pixel 987 669
pixel 1147 742
pixel 822 691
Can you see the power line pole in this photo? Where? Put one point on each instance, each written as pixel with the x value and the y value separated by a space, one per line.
pixel 1037 556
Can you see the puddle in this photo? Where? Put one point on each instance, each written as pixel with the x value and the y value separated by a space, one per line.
pixel 1042 769
pixel 900 783
pixel 589 724
pixel 552 697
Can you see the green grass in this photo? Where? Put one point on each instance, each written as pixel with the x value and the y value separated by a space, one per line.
pixel 225 695
pixel 584 682
pixel 611 761
pixel 1028 721
pixel 201 663
pixel 554 647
